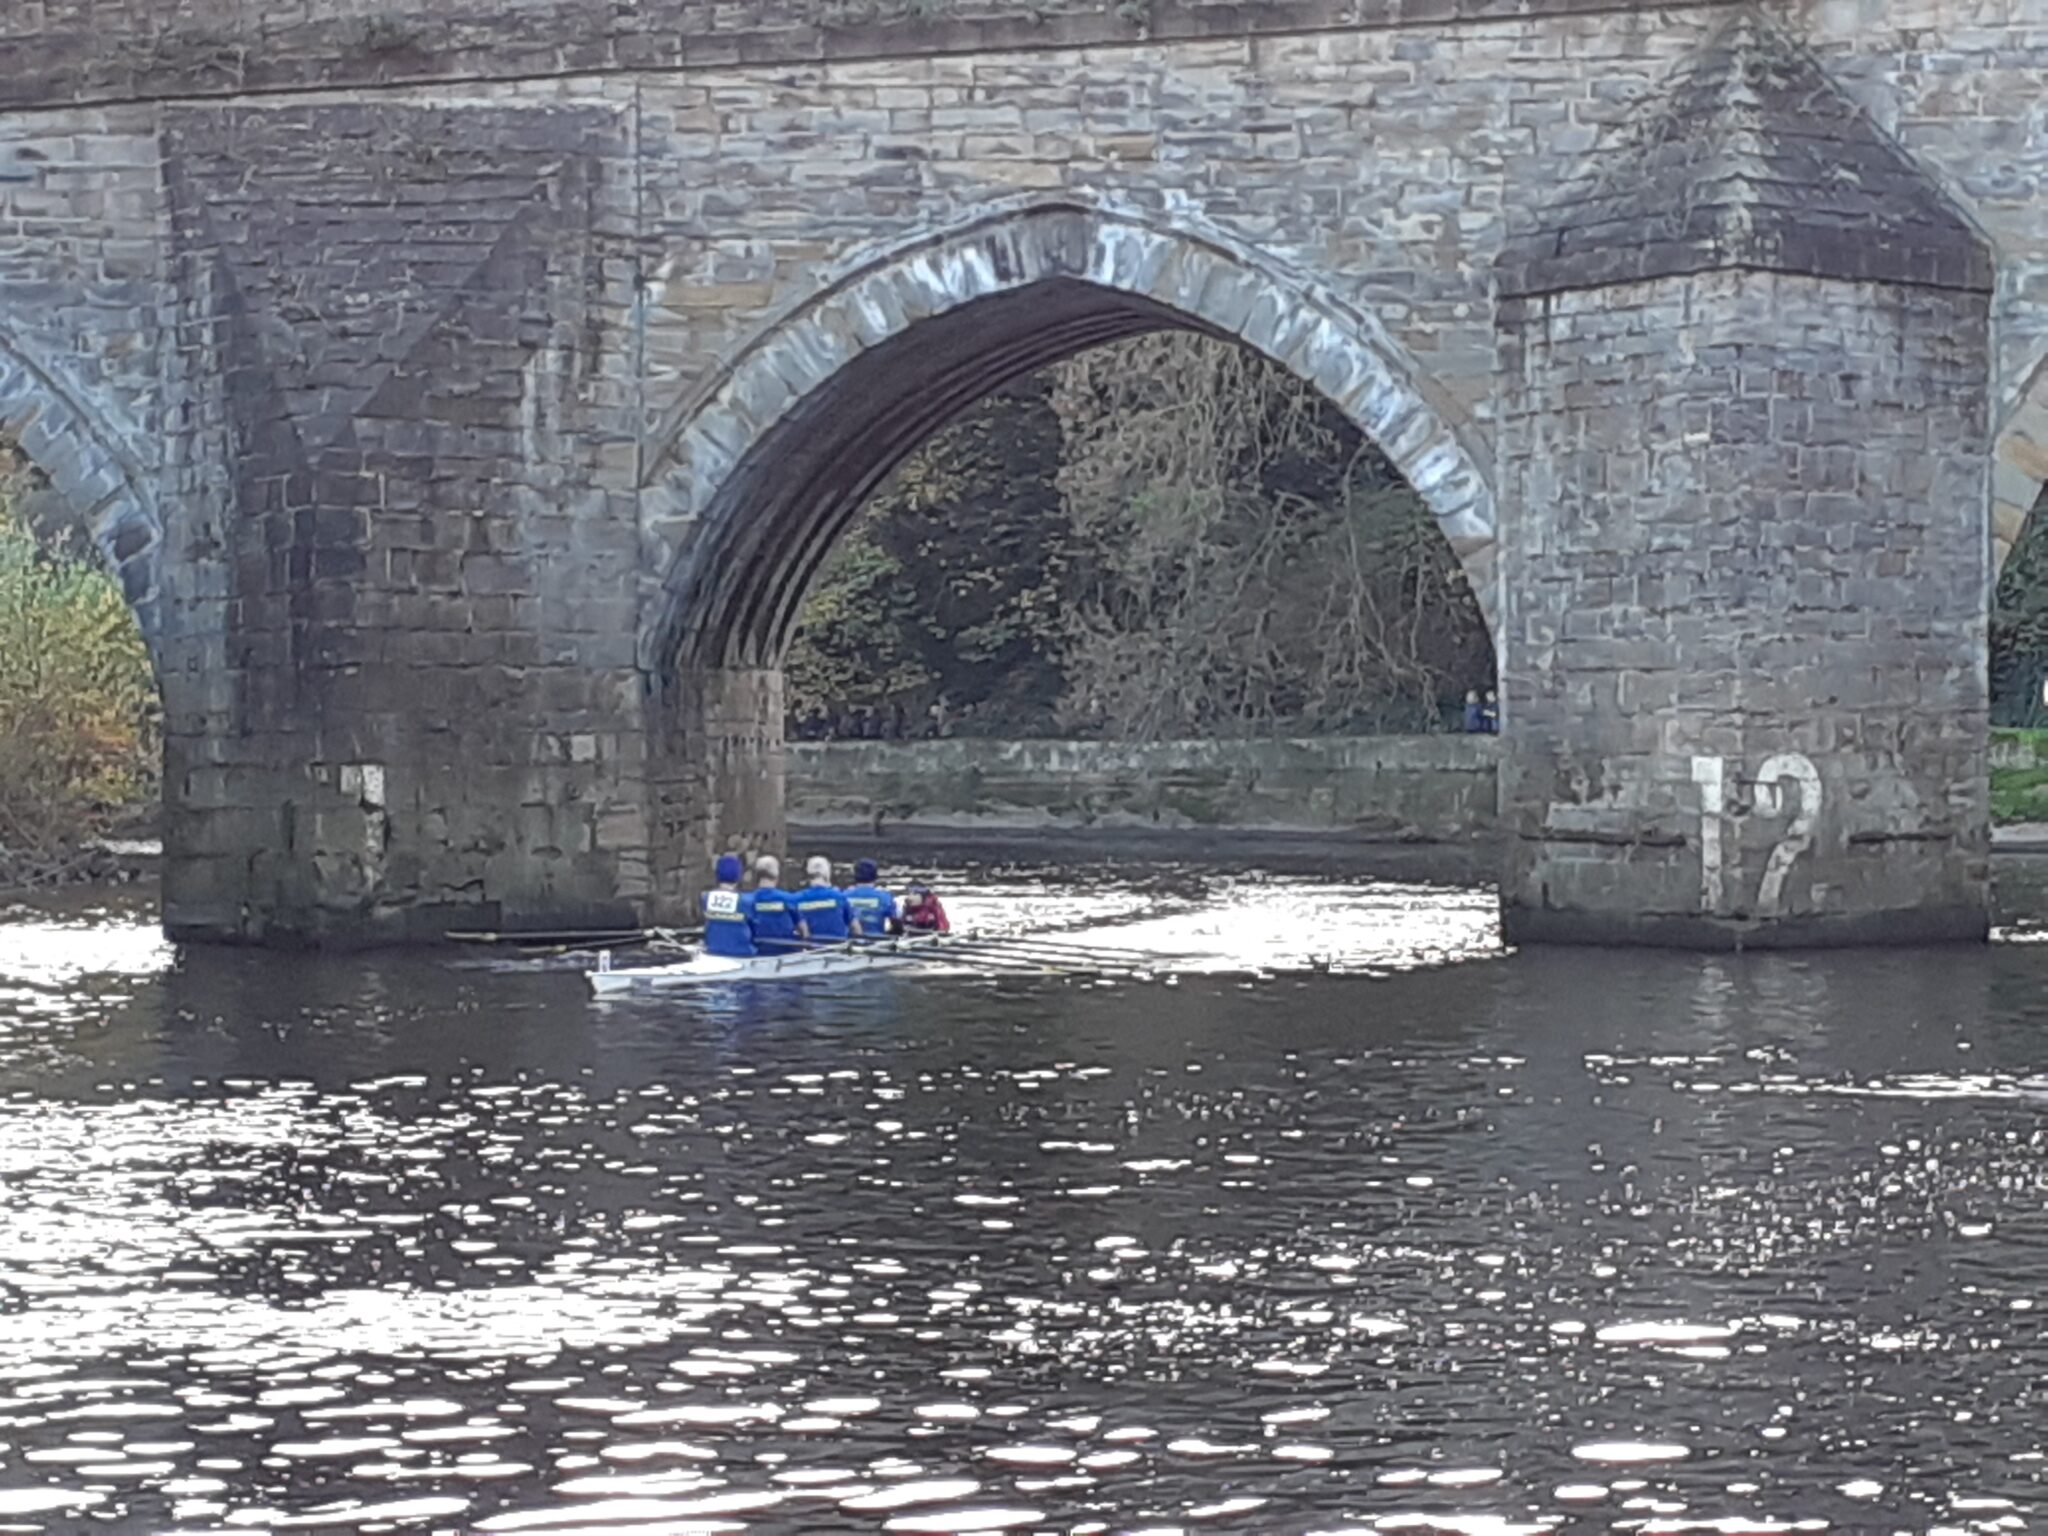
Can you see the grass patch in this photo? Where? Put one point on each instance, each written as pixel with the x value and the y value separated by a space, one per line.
pixel 2019 794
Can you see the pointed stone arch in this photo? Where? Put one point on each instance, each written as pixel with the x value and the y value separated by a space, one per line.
pixel 102 482
pixel 752 481
pixel 2019 466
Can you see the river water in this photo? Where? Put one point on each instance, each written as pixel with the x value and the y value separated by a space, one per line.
pixel 1356 1222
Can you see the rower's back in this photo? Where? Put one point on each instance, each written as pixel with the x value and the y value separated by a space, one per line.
pixel 869 905
pixel 772 909
pixel 728 922
pixel 821 907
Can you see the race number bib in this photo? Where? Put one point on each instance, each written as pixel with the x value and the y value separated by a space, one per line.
pixel 721 903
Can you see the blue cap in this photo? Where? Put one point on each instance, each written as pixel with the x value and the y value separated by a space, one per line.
pixel 728 868
pixel 864 869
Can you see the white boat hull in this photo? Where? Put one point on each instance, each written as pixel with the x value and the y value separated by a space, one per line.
pixel 702 970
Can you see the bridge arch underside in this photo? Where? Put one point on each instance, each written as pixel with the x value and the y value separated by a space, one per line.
pixel 767 475
pixel 2019 470
pixel 761 478
pixel 103 488
pixel 793 498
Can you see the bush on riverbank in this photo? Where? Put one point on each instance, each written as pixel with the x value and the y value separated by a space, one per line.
pixel 79 729
pixel 2019 777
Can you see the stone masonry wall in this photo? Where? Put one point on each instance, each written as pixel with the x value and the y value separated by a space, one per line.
pixel 82 276
pixel 1422 788
pixel 1958 84
pixel 98 50
pixel 1946 76
pixel 1951 108
pixel 421 689
pixel 764 190
pixel 1260 130
pixel 1764 536
pixel 1377 162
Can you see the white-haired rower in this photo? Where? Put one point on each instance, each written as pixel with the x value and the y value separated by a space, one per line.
pixel 773 909
pixel 822 915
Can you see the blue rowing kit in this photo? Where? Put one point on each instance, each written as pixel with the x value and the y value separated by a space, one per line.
pixel 875 907
pixel 823 911
pixel 774 914
pixel 764 921
pixel 728 924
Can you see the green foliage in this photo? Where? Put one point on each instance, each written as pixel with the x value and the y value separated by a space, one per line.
pixel 853 651
pixel 948 584
pixel 1165 536
pixel 1257 567
pixel 78 703
pixel 2019 629
pixel 2019 794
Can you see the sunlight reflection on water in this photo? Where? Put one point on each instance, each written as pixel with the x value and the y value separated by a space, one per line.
pixel 1342 1232
pixel 48 953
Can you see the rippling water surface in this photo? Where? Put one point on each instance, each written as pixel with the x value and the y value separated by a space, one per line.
pixel 1355 1223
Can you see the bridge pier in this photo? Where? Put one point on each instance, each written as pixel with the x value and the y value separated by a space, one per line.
pixel 717 779
pixel 1743 450
pixel 417 806
pixel 425 836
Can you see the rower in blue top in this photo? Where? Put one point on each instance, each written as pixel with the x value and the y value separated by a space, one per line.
pixel 874 909
pixel 822 915
pixel 728 913
pixel 773 909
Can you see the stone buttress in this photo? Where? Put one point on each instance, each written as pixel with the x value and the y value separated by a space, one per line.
pixel 401 693
pixel 1744 404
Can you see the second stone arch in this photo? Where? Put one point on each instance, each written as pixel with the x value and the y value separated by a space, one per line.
pixel 757 477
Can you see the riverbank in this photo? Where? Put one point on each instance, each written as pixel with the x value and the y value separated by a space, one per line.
pixel 922 849
pixel 1365 789
pixel 96 862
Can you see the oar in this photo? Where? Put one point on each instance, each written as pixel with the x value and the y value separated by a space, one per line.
pixel 944 951
pixel 1064 961
pixel 923 950
pixel 1078 960
pixel 659 941
pixel 1027 944
pixel 545 936
pixel 623 939
pixel 1003 959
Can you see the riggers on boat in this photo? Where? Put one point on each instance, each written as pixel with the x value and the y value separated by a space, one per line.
pixel 702 970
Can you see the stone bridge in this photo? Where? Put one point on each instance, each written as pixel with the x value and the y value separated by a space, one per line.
pixel 466 398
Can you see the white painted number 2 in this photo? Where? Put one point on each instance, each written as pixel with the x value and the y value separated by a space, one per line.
pixel 1787 768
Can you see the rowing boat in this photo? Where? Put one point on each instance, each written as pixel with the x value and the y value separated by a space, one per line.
pixel 702 970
